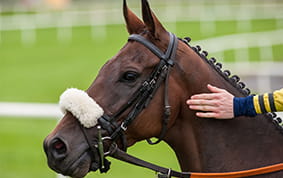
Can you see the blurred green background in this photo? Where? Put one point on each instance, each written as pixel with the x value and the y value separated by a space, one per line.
pixel 39 69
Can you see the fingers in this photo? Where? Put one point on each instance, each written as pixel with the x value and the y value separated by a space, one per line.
pixel 214 115
pixel 214 89
pixel 193 102
pixel 218 104
pixel 210 96
pixel 205 96
pixel 202 107
pixel 207 114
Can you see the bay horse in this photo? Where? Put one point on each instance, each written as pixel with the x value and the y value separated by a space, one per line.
pixel 141 93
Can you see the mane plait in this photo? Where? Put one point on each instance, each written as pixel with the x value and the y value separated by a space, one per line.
pixel 234 80
pixel 276 120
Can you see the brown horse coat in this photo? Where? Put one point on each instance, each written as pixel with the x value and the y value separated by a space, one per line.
pixel 201 145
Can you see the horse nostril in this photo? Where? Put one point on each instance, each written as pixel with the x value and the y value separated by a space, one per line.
pixel 59 149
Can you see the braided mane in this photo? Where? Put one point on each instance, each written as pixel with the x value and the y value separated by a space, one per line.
pixel 234 80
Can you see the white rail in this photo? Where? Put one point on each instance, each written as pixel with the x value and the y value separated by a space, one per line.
pixel 34 110
pixel 242 40
pixel 52 111
pixel 240 44
pixel 178 11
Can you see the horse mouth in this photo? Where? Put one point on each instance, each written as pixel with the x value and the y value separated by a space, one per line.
pixel 77 169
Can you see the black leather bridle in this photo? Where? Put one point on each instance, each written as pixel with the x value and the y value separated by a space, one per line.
pixel 140 100
pixel 146 91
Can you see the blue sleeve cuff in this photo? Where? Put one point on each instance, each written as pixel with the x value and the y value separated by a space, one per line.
pixel 244 106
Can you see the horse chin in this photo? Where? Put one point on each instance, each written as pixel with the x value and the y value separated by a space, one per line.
pixel 78 168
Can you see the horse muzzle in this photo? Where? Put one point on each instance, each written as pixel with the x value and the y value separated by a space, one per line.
pixel 63 160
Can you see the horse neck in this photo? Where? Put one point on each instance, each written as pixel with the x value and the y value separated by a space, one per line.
pixel 211 145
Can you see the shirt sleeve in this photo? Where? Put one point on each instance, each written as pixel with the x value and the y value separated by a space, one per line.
pixel 269 102
pixel 244 106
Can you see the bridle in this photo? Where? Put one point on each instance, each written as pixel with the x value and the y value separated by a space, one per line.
pixel 140 100
pixel 142 97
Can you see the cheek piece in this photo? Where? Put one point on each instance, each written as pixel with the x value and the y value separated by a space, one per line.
pixel 81 105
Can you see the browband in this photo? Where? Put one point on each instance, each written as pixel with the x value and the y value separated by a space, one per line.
pixel 167 56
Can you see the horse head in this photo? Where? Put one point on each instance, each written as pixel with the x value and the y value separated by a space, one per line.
pixel 130 101
pixel 123 105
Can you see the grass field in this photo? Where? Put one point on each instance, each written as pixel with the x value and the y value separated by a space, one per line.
pixel 39 73
pixel 42 71
pixel 22 155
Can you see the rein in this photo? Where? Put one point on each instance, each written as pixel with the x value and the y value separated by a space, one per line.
pixel 137 103
pixel 115 152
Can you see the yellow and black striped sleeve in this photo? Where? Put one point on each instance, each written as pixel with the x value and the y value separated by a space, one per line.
pixel 269 102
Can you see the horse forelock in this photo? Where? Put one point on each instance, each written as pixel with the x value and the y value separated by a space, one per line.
pixel 81 105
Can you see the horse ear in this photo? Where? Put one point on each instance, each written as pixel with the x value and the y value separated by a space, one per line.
pixel 151 21
pixel 134 24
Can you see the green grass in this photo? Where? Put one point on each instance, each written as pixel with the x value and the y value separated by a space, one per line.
pixel 22 154
pixel 40 72
pixel 21 150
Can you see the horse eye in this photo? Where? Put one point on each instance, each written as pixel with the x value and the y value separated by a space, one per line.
pixel 129 76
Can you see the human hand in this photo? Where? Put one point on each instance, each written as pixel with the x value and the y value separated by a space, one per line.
pixel 218 104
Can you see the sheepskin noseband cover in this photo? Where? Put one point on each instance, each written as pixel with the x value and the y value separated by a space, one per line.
pixel 82 106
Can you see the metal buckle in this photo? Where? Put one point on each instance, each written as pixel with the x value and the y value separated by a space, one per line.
pixel 161 175
pixel 123 127
pixel 165 67
pixel 152 83
pixel 145 83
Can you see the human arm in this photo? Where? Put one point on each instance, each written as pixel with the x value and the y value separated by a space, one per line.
pixel 221 104
pixel 269 102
